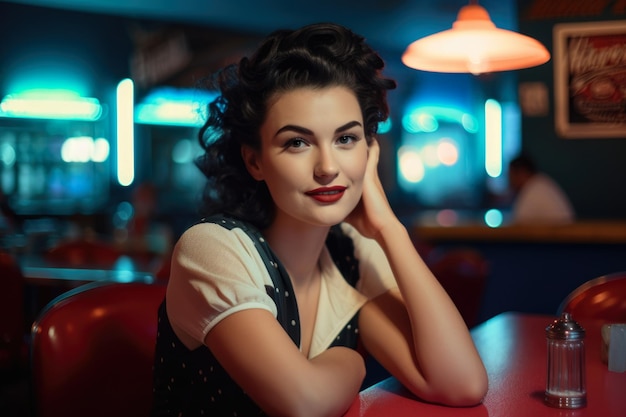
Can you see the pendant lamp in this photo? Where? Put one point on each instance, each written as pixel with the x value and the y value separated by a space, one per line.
pixel 474 45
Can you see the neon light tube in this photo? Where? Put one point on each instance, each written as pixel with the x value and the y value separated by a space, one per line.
pixel 493 138
pixel 125 132
pixel 48 105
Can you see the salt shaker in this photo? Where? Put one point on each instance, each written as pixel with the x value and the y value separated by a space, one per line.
pixel 565 384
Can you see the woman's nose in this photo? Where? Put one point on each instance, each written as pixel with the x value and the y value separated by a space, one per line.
pixel 326 164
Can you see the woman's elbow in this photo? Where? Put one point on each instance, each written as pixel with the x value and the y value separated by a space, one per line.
pixel 454 392
pixel 466 393
pixel 471 395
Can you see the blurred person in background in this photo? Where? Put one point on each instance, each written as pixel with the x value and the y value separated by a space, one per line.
pixel 537 197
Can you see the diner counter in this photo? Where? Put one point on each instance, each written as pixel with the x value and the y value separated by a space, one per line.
pixel 531 268
pixel 601 232
pixel 38 271
pixel 513 349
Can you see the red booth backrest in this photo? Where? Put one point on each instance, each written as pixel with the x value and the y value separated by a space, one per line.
pixel 601 298
pixel 92 351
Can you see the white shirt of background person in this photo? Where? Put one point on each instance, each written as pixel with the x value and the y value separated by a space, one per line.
pixel 541 200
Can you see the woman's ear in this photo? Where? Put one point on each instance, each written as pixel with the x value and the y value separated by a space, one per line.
pixel 251 160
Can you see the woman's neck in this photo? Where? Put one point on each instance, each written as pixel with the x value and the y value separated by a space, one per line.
pixel 298 247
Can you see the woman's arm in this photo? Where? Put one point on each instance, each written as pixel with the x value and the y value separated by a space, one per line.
pixel 210 276
pixel 415 331
pixel 258 354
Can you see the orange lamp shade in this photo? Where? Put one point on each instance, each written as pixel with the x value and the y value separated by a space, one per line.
pixel 474 45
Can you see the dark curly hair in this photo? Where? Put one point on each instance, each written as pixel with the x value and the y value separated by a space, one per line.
pixel 316 56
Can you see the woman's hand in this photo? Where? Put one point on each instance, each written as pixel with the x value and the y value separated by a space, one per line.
pixel 373 212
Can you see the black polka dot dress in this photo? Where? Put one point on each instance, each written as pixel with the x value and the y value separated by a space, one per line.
pixel 193 383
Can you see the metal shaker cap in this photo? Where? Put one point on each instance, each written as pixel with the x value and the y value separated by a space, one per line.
pixel 565 328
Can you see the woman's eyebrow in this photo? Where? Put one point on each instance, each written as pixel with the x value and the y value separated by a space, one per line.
pixel 348 126
pixel 294 128
pixel 305 131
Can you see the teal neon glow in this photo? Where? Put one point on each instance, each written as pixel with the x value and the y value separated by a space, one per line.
pixel 183 152
pixel 427 119
pixel 384 127
pixel 493 138
pixel 7 154
pixel 174 106
pixel 417 122
pixel 85 149
pixel 50 104
pixel 125 132
pixel 44 66
pixel 493 218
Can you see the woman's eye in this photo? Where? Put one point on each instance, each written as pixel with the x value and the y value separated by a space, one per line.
pixel 295 143
pixel 346 139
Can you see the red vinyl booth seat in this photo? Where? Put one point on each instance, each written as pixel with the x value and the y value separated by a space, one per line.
pixel 602 298
pixel 92 351
pixel 463 273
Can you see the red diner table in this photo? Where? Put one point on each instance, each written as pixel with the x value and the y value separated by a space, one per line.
pixel 513 349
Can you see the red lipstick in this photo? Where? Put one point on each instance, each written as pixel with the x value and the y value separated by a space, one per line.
pixel 327 194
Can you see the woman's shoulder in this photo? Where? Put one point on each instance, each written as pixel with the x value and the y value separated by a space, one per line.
pixel 209 233
pixel 208 249
pixel 203 230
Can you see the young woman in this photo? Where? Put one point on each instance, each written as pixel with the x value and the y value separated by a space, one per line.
pixel 261 316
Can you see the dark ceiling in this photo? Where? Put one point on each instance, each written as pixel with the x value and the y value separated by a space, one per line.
pixel 387 24
pixel 219 32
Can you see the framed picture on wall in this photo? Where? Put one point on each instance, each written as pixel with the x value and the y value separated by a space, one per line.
pixel 590 79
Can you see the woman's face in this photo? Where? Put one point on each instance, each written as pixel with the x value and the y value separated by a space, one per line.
pixel 313 154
